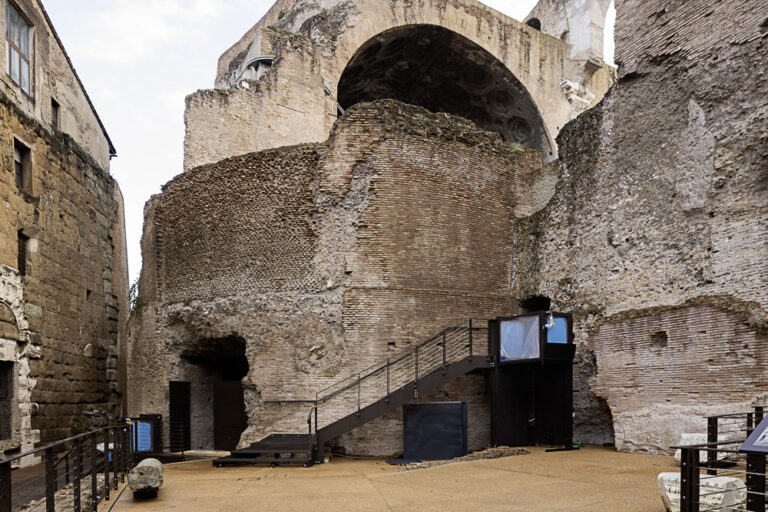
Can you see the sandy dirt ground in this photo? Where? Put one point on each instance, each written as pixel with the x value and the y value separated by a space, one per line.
pixel 592 479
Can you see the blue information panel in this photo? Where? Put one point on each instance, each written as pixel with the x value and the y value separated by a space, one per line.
pixel 143 433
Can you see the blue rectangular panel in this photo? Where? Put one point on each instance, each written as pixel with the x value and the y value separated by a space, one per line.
pixel 143 432
pixel 558 333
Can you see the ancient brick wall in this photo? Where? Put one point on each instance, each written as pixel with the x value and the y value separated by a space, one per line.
pixel 328 258
pixel 70 297
pixel 677 365
pixel 249 232
pixel 662 201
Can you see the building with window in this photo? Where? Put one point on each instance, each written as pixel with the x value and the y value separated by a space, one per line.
pixel 63 270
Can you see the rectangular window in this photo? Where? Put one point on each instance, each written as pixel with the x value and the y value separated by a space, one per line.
pixel 54 114
pixel 23 243
pixel 6 399
pixel 22 165
pixel 17 46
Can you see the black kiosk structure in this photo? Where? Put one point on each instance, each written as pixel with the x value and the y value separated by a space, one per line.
pixel 531 379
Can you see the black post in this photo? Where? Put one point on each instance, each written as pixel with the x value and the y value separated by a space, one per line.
pixel 689 480
pixel 758 414
pixel 316 417
pixel 5 487
pixel 126 437
pixel 117 436
pixel 416 379
pixel 107 452
pixel 444 352
pixel 50 482
pixel 78 473
pixel 94 473
pixel 470 339
pixel 66 467
pixel 712 450
pixel 388 365
pixel 756 482
pixel 491 355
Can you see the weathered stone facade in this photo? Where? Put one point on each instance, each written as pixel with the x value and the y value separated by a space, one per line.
pixel 313 257
pixel 656 238
pixel 277 86
pixel 63 268
pixel 311 262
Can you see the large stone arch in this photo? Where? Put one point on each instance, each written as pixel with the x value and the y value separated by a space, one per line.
pixel 442 71
pixel 298 52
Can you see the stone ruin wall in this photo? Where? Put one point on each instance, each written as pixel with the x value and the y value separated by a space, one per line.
pixel 68 306
pixel 660 224
pixel 312 45
pixel 314 256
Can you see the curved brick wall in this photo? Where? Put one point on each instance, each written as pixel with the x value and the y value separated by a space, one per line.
pixel 328 258
pixel 242 225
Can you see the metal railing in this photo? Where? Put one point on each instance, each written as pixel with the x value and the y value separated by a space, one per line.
pixel 83 461
pixel 702 466
pixel 352 394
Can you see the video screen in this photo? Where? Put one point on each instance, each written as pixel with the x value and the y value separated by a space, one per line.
pixel 520 338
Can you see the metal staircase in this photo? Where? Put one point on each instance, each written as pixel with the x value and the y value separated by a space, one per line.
pixel 374 391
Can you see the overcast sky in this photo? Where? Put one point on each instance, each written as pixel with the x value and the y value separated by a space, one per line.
pixel 138 60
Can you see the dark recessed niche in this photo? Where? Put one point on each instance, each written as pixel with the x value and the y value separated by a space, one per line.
pixel 442 71
pixel 535 303
pixel 659 339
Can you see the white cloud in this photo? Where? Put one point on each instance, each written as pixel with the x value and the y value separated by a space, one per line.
pixel 127 31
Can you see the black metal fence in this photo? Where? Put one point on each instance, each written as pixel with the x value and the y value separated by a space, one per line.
pixel 77 463
pixel 702 467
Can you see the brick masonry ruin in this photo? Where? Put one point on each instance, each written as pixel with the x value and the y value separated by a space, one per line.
pixel 308 263
pixel 660 219
pixel 311 254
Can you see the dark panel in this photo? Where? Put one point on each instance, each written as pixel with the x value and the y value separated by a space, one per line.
pixel 554 403
pixel 181 439
pixel 434 430
pixel 6 399
pixel 511 404
pixel 229 418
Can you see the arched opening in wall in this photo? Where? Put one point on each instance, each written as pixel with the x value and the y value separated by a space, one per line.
pixel 215 368
pixel 442 71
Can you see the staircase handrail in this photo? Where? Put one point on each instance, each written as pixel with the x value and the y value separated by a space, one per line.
pixel 376 367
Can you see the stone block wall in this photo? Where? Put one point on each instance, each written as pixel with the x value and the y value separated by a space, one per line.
pixel 69 301
pixel 53 77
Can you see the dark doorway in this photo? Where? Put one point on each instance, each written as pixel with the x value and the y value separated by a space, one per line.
pixel 229 419
pixel 216 368
pixel 179 416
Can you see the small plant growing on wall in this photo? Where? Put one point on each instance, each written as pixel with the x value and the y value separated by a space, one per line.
pixel 136 302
